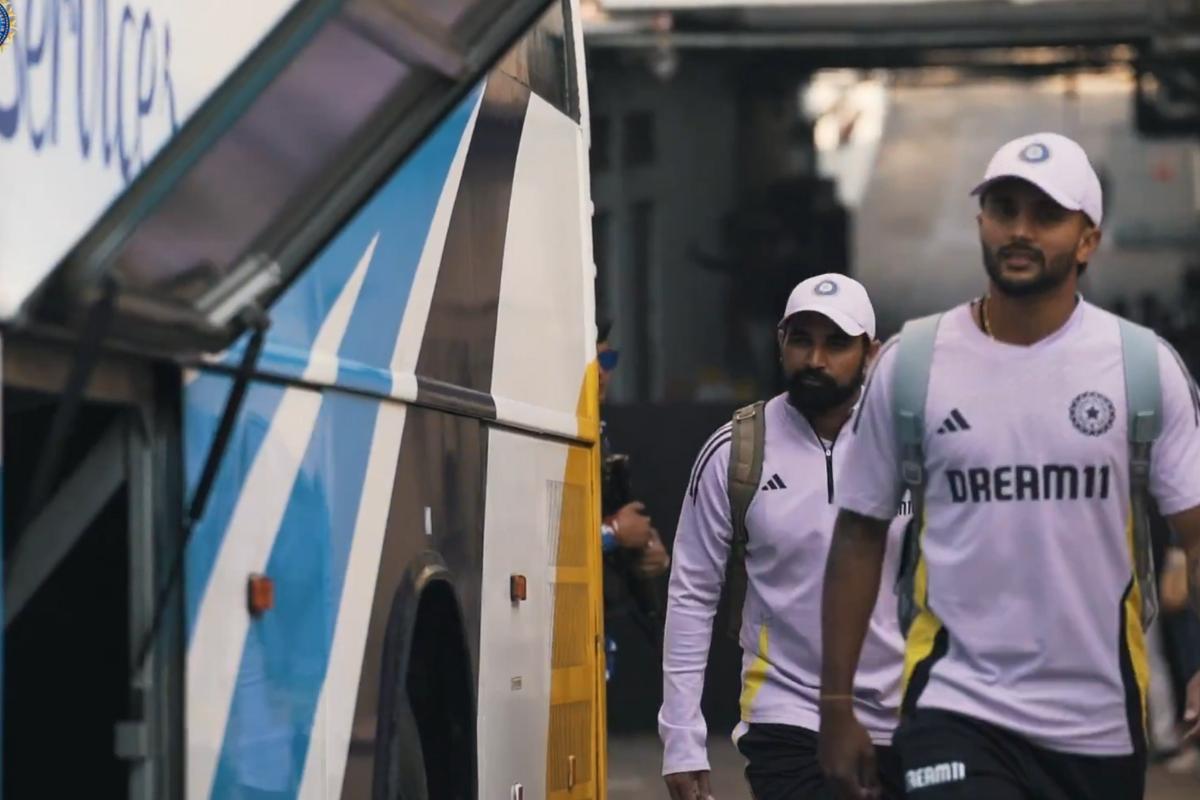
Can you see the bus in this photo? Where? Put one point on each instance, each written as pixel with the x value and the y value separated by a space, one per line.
pixel 301 429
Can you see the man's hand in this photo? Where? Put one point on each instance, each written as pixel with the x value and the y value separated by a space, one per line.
pixel 631 526
pixel 1191 710
pixel 846 754
pixel 654 559
pixel 1173 581
pixel 688 785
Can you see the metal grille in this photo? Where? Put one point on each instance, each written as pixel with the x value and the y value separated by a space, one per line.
pixel 566 511
pixel 570 729
pixel 571 640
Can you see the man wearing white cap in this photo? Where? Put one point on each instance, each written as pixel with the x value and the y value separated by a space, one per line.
pixel 826 339
pixel 1032 429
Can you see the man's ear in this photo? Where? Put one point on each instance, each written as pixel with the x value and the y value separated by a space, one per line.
pixel 1088 244
pixel 872 352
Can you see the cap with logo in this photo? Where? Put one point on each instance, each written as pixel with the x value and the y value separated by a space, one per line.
pixel 843 300
pixel 1053 163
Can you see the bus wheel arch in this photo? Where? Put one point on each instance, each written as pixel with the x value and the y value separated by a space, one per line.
pixel 426 746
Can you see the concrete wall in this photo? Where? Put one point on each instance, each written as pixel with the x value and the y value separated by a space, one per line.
pixel 690 184
pixel 716 145
pixel 916 244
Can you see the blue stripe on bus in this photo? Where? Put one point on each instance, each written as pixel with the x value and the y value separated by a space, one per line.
pixel 286 652
pixel 204 401
pixel 402 214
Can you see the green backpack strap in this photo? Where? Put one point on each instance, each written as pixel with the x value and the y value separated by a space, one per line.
pixel 1143 398
pixel 745 474
pixel 910 386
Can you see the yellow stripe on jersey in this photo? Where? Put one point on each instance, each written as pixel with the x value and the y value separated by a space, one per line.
pixel 924 630
pixel 756 674
pixel 1134 636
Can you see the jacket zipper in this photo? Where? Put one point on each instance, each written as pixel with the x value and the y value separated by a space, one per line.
pixel 828 457
pixel 829 468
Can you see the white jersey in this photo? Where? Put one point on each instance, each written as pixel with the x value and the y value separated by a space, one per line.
pixel 1030 611
pixel 789 528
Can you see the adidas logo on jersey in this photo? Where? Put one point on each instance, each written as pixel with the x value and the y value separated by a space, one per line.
pixel 954 423
pixel 776 482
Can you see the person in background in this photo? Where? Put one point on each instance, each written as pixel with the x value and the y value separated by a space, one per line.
pixel 825 341
pixel 634 554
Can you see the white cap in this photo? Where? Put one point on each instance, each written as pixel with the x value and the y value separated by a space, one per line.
pixel 842 299
pixel 1053 163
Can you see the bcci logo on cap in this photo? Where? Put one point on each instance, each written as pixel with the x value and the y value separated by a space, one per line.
pixel 826 288
pixel 1035 153
pixel 8 23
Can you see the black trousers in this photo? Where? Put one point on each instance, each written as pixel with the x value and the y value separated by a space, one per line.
pixel 947 756
pixel 782 765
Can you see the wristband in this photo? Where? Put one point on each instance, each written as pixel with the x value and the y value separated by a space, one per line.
pixel 608 537
pixel 836 697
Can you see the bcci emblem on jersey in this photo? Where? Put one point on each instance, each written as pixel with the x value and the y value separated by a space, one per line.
pixel 8 23
pixel 1092 413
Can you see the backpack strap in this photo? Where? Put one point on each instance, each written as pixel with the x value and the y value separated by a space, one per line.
pixel 910 386
pixel 1143 398
pixel 745 474
pixel 1143 395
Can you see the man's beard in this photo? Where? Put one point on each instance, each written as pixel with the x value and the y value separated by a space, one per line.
pixel 812 392
pixel 1047 278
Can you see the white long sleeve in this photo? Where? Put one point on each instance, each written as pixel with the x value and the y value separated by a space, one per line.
pixel 700 552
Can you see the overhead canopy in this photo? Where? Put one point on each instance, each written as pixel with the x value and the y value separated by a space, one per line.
pixel 289 141
pixel 864 26
pixel 88 95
